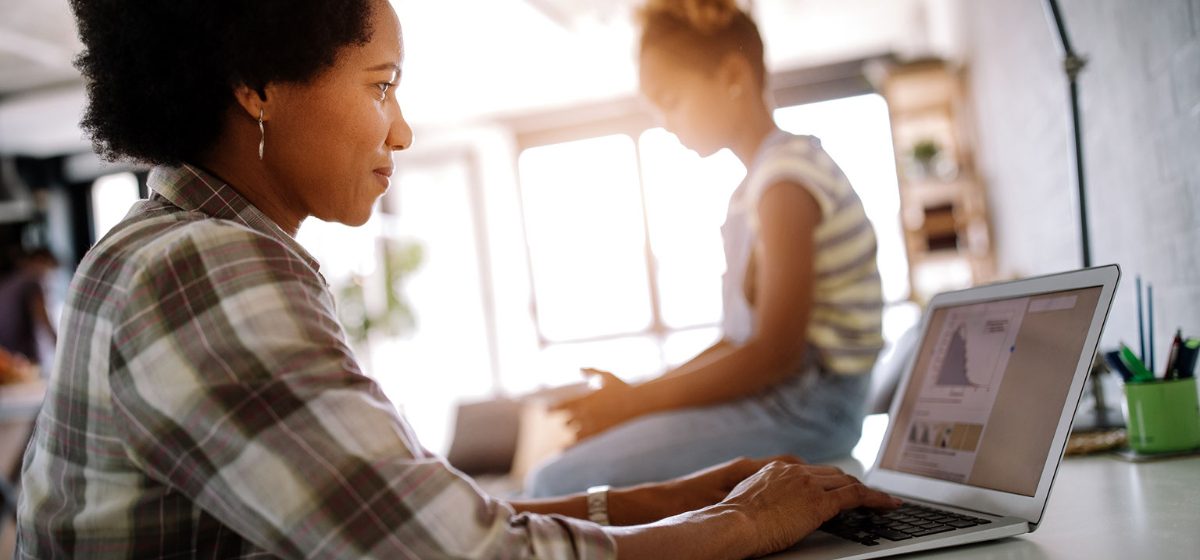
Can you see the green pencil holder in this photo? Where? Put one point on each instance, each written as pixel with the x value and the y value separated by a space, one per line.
pixel 1162 416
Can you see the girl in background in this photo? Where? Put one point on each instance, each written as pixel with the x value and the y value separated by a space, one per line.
pixel 801 292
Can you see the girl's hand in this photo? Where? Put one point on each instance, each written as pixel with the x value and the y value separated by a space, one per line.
pixel 613 403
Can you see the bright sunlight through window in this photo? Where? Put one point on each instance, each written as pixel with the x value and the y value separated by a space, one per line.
pixel 112 195
pixel 586 234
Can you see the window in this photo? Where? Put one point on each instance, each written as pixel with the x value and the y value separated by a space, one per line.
pixel 686 198
pixel 112 195
pixel 586 235
pixel 625 251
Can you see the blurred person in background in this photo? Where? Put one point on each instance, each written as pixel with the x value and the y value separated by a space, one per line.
pixel 15 368
pixel 24 318
pixel 802 299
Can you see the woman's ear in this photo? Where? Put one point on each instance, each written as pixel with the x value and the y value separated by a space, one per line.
pixel 253 101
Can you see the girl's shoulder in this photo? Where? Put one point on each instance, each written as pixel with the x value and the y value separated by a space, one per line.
pixel 794 151
pixel 800 160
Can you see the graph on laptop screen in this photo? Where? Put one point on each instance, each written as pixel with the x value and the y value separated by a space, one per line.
pixel 987 389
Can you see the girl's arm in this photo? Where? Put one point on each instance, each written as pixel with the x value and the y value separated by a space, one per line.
pixel 716 351
pixel 788 216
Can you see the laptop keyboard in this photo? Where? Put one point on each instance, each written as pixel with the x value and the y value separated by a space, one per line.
pixel 908 521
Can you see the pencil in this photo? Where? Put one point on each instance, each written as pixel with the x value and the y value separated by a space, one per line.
pixel 1150 323
pixel 1137 282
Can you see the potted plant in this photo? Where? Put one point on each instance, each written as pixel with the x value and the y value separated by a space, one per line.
pixel 929 161
pixel 923 154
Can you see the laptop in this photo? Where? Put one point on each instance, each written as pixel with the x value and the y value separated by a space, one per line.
pixel 980 418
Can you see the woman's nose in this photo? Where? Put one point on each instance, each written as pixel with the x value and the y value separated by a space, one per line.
pixel 400 135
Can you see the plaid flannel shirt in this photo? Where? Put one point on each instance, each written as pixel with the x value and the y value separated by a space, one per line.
pixel 205 404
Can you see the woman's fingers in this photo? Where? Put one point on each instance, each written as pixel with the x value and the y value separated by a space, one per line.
pixel 833 481
pixel 856 495
pixel 820 470
pixel 812 470
pixel 844 491
pixel 745 466
pixel 787 459
pixel 737 470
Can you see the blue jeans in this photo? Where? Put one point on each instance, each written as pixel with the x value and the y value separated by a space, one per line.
pixel 814 415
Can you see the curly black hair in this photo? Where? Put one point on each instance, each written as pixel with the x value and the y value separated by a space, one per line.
pixel 161 73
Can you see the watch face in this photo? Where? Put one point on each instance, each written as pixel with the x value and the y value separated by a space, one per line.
pixel 597 504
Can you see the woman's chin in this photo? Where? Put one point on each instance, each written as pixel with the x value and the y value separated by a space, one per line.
pixel 357 219
pixel 352 218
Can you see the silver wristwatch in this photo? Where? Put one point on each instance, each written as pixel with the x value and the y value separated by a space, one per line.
pixel 597 504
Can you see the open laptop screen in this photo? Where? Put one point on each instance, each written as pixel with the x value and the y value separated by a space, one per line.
pixel 988 388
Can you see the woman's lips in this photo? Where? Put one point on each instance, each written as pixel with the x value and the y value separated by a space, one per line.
pixel 383 175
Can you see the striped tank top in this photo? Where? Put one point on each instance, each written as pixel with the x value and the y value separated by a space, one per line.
pixel 844 327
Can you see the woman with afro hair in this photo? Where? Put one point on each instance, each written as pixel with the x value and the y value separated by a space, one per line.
pixel 205 403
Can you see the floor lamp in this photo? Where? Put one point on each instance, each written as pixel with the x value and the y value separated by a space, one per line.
pixel 1073 64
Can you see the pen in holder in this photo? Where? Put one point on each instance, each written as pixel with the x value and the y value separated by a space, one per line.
pixel 1162 416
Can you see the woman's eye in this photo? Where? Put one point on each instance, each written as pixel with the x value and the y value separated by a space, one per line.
pixel 383 88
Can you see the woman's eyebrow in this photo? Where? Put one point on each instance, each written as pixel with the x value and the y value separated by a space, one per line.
pixel 385 66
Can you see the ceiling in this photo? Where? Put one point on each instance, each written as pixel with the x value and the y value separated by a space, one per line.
pixel 37 44
pixel 471 60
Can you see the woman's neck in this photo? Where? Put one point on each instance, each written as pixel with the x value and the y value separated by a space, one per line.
pixel 254 184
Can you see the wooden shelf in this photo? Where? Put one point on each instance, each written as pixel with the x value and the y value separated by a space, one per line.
pixel 943 210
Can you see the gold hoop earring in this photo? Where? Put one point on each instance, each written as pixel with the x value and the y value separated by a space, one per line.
pixel 262 135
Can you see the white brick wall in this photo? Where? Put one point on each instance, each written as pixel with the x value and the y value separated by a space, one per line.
pixel 1140 95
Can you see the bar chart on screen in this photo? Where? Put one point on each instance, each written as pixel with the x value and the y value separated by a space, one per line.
pixel 973 348
pixel 960 384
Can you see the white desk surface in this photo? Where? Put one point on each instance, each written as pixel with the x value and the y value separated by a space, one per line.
pixel 1101 507
pixel 1104 507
